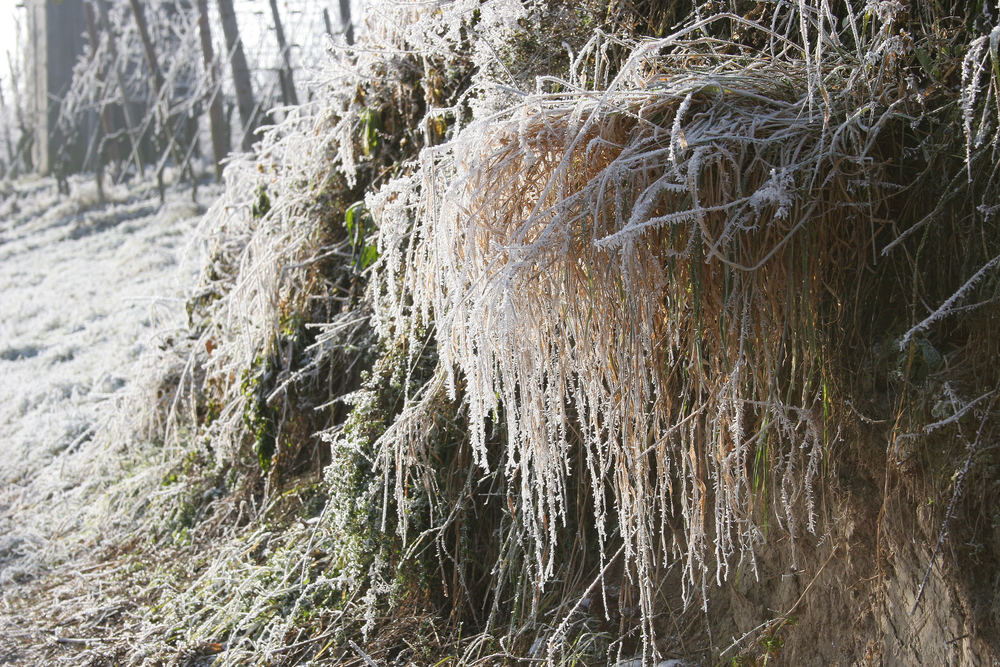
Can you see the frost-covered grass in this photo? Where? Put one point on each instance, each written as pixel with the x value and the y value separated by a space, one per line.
pixel 88 292
pixel 85 289
pixel 482 366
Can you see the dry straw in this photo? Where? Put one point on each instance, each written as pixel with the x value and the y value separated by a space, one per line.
pixel 631 277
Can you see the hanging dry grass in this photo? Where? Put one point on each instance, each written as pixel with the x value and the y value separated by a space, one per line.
pixel 635 276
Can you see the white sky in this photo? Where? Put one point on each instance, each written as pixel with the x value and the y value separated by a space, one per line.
pixel 10 12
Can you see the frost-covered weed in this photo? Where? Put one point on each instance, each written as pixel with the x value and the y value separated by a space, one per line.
pixel 603 323
pixel 982 61
pixel 607 271
pixel 598 267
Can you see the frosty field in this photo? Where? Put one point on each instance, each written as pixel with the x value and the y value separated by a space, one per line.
pixel 85 289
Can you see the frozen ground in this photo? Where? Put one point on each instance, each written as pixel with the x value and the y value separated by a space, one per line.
pixel 85 289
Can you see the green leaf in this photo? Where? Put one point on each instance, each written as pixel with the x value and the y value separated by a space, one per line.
pixel 359 224
pixel 368 256
pixel 369 131
pixel 925 60
pixel 352 217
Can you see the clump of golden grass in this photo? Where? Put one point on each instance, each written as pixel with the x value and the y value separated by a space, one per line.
pixel 634 276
